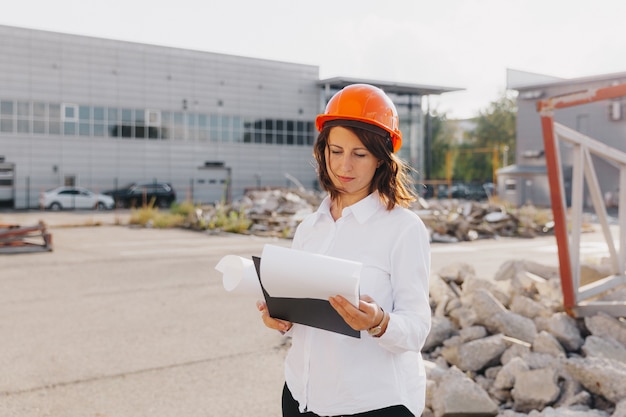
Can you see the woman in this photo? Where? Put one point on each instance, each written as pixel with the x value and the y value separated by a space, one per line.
pixel 364 219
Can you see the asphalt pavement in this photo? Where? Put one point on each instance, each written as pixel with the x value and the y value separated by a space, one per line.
pixel 120 321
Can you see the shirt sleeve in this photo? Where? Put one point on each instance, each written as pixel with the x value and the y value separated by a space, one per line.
pixel 410 317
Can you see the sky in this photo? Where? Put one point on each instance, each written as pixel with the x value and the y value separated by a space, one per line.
pixel 464 44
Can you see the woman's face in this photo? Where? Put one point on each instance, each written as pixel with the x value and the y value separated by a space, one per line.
pixel 350 165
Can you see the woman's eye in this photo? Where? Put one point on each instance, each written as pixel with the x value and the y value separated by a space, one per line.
pixel 360 155
pixel 335 152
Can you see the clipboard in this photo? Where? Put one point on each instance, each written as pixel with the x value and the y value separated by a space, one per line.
pixel 308 311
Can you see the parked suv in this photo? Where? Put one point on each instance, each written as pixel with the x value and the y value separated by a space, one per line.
pixel 157 194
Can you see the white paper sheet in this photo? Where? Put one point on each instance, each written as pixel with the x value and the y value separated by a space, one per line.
pixel 298 274
pixel 292 273
pixel 239 275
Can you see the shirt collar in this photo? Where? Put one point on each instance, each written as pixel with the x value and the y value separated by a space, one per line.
pixel 361 210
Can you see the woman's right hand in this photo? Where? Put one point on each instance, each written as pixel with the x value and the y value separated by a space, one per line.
pixel 272 323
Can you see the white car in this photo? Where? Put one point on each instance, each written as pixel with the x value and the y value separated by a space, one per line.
pixel 74 198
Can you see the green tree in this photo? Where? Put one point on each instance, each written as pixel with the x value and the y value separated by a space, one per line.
pixel 494 131
pixel 441 135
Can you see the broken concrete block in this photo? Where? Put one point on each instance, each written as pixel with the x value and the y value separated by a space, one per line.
pixel 456 394
pixel 472 333
pixel 514 325
pixel 607 348
pixel 604 325
pixel 564 328
pixel 441 329
pixel 535 389
pixel 599 376
pixel 473 284
pixel 506 377
pixel 513 351
pixel 546 343
pixel 457 272
pixel 485 305
pixel 477 354
pixel 528 307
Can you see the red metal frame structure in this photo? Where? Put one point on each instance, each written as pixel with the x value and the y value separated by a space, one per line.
pixel 18 239
pixel 576 299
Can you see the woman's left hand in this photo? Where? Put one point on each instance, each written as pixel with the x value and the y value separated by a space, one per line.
pixel 366 316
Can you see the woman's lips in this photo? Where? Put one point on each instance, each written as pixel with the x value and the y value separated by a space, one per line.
pixel 344 179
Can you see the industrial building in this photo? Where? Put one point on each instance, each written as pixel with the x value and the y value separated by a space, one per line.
pixel 526 181
pixel 100 113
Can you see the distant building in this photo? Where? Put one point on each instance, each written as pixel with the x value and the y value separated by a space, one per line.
pixel 526 181
pixel 99 113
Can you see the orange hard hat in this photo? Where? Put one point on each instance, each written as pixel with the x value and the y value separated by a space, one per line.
pixel 366 104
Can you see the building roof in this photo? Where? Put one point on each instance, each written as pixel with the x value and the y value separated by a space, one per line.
pixel 519 82
pixel 389 87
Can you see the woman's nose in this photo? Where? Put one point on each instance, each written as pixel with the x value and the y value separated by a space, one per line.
pixel 346 163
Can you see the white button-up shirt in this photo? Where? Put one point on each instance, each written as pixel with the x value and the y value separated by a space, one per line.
pixel 332 374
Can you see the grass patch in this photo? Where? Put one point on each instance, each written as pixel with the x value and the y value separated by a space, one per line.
pixel 188 215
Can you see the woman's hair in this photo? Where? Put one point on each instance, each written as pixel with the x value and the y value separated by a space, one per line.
pixel 391 179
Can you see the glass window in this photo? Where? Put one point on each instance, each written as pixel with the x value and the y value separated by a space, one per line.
pixel 84 113
pixel 310 133
pixel 6 125
pixel 153 117
pixel 178 131
pixel 98 113
pixel 113 115
pixel 6 116
pixel 300 140
pixel 127 124
pixel 290 132
pixel 203 127
pixel 226 129
pixel 203 121
pixel 166 123
pixel 23 109
pixel 99 129
pixel 191 126
pixel 247 132
pixel 23 117
pixel 6 108
pixel 39 110
pixel 54 127
pixel 237 129
pixel 84 129
pixel 127 116
pixel 69 128
pixel 23 126
pixel 54 119
pixel 140 123
pixel 70 112
pixel 140 116
pixel 113 119
pixel 154 132
pixel 214 127
pixel 39 127
pixel 55 111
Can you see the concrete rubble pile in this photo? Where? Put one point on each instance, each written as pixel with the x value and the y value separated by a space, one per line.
pixel 277 212
pixel 504 347
pixel 461 220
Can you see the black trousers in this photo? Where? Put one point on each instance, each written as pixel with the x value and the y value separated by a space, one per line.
pixel 290 409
